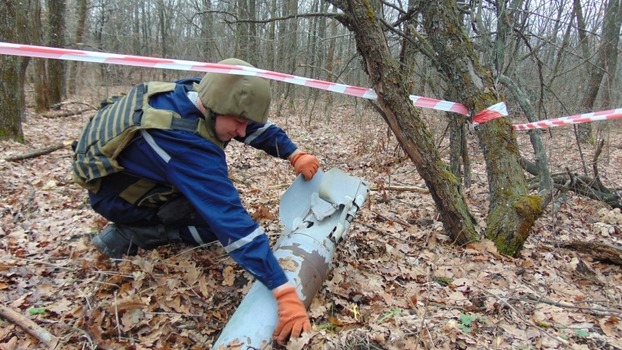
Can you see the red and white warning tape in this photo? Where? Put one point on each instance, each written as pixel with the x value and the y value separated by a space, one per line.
pixel 164 63
pixel 447 106
pixel 154 62
pixel 574 119
pixel 488 114
pixel 493 112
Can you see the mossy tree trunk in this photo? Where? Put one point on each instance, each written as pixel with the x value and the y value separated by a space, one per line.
pixel 512 210
pixel 405 121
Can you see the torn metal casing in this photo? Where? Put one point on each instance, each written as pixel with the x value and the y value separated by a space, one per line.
pixel 316 216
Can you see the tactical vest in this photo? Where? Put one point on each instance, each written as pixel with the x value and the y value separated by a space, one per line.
pixel 111 129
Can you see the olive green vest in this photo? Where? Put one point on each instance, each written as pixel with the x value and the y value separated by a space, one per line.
pixel 110 130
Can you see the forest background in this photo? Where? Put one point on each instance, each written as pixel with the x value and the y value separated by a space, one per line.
pixel 474 237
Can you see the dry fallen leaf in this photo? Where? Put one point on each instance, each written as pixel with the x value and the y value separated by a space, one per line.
pixel 228 275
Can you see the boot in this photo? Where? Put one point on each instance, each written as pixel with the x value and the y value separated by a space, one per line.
pixel 118 240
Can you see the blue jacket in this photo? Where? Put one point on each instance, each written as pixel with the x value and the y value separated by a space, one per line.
pixel 197 168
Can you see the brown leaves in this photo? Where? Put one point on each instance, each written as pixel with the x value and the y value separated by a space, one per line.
pixel 397 282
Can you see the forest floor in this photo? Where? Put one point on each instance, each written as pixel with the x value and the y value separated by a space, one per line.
pixel 396 282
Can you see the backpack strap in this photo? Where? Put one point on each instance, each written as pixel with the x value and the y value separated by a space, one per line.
pixel 164 119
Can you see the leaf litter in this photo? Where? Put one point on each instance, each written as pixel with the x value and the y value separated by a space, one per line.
pixel 396 282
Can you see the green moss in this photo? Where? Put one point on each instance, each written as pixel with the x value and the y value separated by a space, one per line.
pixel 528 207
pixel 370 11
pixel 6 135
pixel 448 175
pixel 443 281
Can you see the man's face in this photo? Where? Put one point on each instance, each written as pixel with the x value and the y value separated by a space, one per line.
pixel 228 127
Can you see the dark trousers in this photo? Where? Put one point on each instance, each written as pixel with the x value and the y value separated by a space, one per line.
pixel 177 213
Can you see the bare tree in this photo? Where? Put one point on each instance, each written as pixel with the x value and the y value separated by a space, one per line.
pixel 56 32
pixel 405 121
pixel 606 58
pixel 42 97
pixel 512 210
pixel 13 28
pixel 72 70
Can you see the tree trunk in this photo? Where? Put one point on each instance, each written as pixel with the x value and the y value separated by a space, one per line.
pixel 252 34
pixel 163 21
pixel 542 161
pixel 405 121
pixel 42 101
pixel 241 31
pixel 56 68
pixel 329 64
pixel 459 160
pixel 512 211
pixel 72 70
pixel 12 29
pixel 207 33
pixel 611 28
pixel 584 131
pixel 607 49
pixel 272 44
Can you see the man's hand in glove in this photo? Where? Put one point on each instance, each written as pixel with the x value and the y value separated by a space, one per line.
pixel 304 164
pixel 293 319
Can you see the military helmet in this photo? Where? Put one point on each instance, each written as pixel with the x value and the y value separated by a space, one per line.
pixel 237 95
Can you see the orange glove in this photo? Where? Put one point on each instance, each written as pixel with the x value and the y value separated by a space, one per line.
pixel 305 164
pixel 292 315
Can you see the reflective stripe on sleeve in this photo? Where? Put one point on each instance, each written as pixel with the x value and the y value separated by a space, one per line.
pixel 244 240
pixel 162 153
pixel 250 138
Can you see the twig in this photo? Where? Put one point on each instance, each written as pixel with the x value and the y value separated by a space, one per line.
pixel 62 114
pixel 401 189
pixel 29 326
pixel 563 341
pixel 596 310
pixel 399 221
pixel 373 189
pixel 116 315
pixel 173 314
pixel 425 311
pixel 39 152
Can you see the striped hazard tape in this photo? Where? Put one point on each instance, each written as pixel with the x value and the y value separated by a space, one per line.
pixel 574 119
pixel 164 63
pixel 493 112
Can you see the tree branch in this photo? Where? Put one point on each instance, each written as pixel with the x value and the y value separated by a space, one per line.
pixel 39 152
pixel 29 326
pixel 599 251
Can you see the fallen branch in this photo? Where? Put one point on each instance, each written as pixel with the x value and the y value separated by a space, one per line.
pixel 599 251
pixel 597 311
pixel 57 106
pixel 62 114
pixel 583 186
pixel 388 219
pixel 523 317
pixel 29 326
pixel 401 189
pixel 39 152
pixel 372 189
